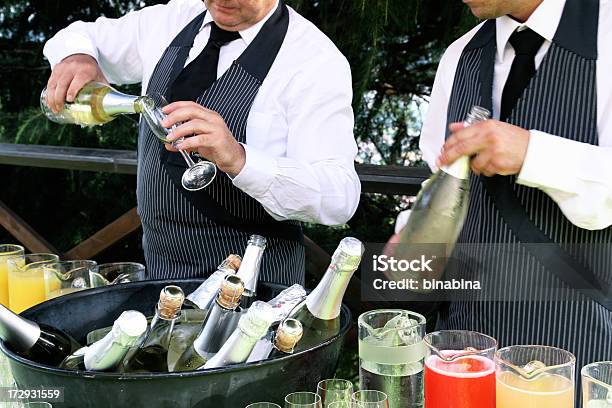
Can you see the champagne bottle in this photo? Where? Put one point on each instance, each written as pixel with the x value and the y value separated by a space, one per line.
pixel 249 269
pixel 284 303
pixel 95 104
pixel 151 355
pixel 204 296
pixel 440 209
pixel 35 341
pixel 217 327
pixel 282 343
pixel 251 328
pixel 319 313
pixel 107 353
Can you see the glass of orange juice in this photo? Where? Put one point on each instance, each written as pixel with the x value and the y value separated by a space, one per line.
pixel 26 280
pixel 535 377
pixel 62 278
pixel 7 251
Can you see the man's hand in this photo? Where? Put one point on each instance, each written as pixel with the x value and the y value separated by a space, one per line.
pixel 204 131
pixel 69 76
pixel 496 147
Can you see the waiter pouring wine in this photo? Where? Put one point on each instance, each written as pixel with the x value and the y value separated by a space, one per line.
pixel 541 191
pixel 255 88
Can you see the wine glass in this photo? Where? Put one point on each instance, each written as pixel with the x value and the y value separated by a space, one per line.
pixel 198 175
pixel 116 273
pixel 263 405
pixel 303 400
pixel 334 390
pixel 370 399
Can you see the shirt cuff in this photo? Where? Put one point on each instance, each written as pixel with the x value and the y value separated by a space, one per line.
pixel 258 172
pixel 73 44
pixel 551 162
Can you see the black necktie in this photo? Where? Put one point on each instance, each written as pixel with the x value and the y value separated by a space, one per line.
pixel 526 44
pixel 201 73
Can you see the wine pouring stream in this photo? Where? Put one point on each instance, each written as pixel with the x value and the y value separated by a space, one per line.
pixel 98 103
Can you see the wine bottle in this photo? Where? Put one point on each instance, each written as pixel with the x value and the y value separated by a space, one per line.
pixel 107 353
pixel 439 211
pixel 217 327
pixel 251 328
pixel 319 313
pixel 35 341
pixel 151 355
pixel 282 343
pixel 95 104
pixel 250 267
pixel 204 296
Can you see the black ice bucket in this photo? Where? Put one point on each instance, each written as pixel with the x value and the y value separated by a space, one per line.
pixel 231 387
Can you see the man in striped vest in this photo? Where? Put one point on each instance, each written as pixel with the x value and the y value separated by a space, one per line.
pixel 537 233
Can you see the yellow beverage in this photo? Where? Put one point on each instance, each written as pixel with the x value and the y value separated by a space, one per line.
pixel 543 391
pixel 6 251
pixel 27 288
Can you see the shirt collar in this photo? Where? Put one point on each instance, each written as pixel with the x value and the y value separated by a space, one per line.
pixel 544 21
pixel 248 34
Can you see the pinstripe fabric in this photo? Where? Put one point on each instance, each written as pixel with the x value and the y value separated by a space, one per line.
pixel 561 99
pixel 179 240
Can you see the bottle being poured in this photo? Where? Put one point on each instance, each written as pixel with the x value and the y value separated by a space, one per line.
pixel 438 213
pixel 95 104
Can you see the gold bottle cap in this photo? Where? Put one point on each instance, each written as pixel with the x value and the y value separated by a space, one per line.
pixel 170 302
pixel 231 291
pixel 289 333
pixel 232 262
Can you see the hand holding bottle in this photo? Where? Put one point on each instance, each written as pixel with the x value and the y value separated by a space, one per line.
pixel 69 76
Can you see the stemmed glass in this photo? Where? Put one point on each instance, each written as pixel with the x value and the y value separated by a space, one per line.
pixel 263 405
pixel 303 400
pixel 198 175
pixel 334 390
pixel 370 399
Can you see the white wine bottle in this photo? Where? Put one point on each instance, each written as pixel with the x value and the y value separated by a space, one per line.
pixel 439 211
pixel 320 312
pixel 95 104
pixel 35 341
pixel 217 327
pixel 151 355
pixel 108 353
pixel 204 296
pixel 251 328
pixel 279 344
pixel 284 303
pixel 250 268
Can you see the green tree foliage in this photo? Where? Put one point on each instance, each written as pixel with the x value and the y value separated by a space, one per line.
pixel 393 47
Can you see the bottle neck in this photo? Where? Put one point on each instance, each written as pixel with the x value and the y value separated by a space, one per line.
pixel 249 268
pixel 19 333
pixel 325 301
pixel 460 168
pixel 117 103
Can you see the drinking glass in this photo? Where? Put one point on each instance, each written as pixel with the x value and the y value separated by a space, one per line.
pixel 334 390
pixel 343 404
pixel 535 376
pixel 7 251
pixel 39 404
pixel 370 399
pixel 62 278
pixel 391 354
pixel 198 175
pixel 26 280
pixel 263 405
pixel 460 367
pixel 303 400
pixel 597 385
pixel 117 272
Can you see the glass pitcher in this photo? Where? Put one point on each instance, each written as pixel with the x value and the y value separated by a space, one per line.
pixel 460 370
pixel 597 385
pixel 391 354
pixel 535 376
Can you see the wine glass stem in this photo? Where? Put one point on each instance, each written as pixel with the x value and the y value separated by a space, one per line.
pixel 187 158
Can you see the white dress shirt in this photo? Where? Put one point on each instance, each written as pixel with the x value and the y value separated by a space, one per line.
pixel 300 146
pixel 577 176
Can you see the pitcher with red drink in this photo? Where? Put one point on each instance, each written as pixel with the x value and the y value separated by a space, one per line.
pixel 459 370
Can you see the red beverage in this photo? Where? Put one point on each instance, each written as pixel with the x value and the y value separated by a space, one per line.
pixel 467 382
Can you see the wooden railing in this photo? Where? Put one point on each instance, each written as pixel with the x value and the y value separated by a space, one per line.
pixel 396 180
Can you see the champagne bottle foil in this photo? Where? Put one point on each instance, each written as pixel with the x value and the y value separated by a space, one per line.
pixel 289 333
pixel 257 320
pixel 230 292
pixel 286 301
pixel 232 262
pixel 170 302
pixel 251 261
pixel 347 256
pixel 20 333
